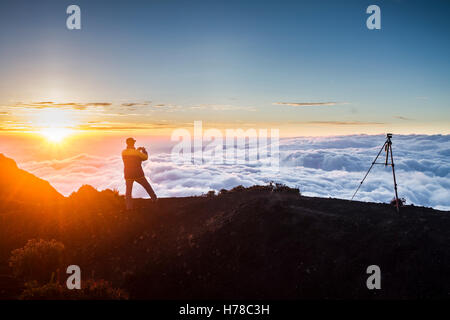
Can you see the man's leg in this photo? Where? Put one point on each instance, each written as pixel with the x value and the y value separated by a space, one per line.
pixel 143 182
pixel 128 192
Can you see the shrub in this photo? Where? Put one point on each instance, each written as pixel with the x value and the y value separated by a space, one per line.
pixel 101 290
pixel 90 290
pixel 48 291
pixel 223 191
pixel 283 188
pixel 210 194
pixel 239 188
pixel 258 188
pixel 271 187
pixel 37 260
pixel 88 199
pixel 401 202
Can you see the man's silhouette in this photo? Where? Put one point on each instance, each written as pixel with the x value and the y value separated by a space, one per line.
pixel 132 160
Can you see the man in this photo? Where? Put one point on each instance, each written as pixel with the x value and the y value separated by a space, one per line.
pixel 132 160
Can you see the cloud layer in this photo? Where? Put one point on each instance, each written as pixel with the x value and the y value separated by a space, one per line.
pixel 325 166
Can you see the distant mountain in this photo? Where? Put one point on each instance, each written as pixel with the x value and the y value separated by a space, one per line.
pixel 17 185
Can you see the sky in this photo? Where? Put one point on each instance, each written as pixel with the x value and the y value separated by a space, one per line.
pixel 311 69
pixel 306 67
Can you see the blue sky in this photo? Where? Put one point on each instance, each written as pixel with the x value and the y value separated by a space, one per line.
pixel 244 56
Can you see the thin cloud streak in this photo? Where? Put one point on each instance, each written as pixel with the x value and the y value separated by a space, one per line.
pixel 309 104
pixel 403 118
pixel 343 123
pixel 136 104
pixel 63 105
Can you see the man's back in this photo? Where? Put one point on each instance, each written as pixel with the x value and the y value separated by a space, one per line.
pixel 132 160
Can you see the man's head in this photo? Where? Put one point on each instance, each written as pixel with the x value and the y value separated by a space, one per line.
pixel 130 142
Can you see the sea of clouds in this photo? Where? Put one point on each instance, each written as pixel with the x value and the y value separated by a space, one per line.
pixel 319 166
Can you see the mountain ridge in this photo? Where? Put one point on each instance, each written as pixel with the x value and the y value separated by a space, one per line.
pixel 245 243
pixel 16 184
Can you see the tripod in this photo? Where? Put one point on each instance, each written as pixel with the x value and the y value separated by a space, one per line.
pixel 387 146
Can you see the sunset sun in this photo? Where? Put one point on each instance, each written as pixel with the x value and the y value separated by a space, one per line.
pixel 55 134
pixel 54 124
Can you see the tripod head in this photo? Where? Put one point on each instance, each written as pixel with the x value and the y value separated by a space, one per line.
pixel 387 145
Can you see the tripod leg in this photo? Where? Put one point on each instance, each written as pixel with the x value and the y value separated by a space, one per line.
pixel 369 169
pixel 395 181
pixel 388 144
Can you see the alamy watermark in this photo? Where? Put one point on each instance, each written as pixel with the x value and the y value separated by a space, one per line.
pixel 231 146
pixel 374 20
pixel 74 280
pixel 374 280
pixel 73 21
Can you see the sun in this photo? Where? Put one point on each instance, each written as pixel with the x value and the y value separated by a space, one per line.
pixel 54 124
pixel 56 134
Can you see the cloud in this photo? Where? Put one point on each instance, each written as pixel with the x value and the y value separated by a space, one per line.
pixel 343 123
pixel 9 129
pixel 98 104
pixel 52 104
pixel 110 126
pixel 222 107
pixel 122 108
pixel 136 104
pixel 308 104
pixel 403 118
pixel 320 166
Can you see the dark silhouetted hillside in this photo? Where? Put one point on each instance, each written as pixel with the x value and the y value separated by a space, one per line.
pixel 19 185
pixel 243 243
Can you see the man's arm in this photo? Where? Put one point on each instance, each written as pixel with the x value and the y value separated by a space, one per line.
pixel 143 153
pixel 133 152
